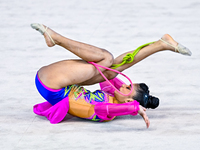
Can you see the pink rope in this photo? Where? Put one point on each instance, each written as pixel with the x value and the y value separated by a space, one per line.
pixel 97 65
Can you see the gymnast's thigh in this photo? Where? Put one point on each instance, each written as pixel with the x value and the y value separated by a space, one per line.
pixel 67 72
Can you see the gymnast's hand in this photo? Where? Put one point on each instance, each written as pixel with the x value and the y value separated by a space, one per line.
pixel 144 115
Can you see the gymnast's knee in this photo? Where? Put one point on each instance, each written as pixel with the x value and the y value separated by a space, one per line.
pixel 108 59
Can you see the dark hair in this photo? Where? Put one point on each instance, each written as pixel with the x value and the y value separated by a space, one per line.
pixel 143 97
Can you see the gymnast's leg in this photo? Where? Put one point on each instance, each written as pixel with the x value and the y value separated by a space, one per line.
pixel 85 51
pixel 68 72
pixel 142 54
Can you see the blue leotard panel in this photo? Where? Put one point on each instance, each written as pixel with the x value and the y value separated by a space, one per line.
pixel 53 96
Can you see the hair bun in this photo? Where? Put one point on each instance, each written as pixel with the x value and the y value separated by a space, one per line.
pixel 144 87
pixel 153 102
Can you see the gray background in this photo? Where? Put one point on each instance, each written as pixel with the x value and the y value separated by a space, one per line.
pixel 118 26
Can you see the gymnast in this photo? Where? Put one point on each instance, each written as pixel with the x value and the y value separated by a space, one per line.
pixel 60 83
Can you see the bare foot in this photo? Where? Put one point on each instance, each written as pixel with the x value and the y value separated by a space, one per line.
pixel 169 40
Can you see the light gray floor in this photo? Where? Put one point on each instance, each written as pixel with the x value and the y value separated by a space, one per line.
pixel 116 25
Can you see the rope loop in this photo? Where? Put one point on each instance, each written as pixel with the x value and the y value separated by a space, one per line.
pixel 130 56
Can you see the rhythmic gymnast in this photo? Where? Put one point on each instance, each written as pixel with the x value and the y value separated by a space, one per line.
pixel 61 83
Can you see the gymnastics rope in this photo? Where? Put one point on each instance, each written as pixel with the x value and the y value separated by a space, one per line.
pixel 127 59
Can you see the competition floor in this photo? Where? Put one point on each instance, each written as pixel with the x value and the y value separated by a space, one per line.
pixel 117 26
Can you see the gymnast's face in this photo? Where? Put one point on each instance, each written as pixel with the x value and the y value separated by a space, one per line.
pixel 126 90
